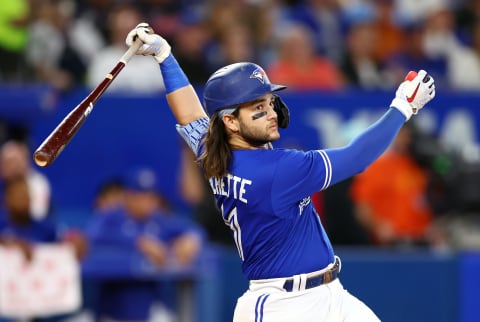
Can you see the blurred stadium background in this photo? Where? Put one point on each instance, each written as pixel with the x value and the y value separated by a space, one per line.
pixel 52 52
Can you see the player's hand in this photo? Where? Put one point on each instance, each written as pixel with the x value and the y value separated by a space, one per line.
pixel 185 248
pixel 153 44
pixel 153 249
pixel 412 95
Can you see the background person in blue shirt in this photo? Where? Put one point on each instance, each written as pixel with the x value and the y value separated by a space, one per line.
pixel 264 193
pixel 17 226
pixel 143 226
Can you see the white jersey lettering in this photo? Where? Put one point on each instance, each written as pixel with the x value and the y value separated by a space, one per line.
pixel 231 186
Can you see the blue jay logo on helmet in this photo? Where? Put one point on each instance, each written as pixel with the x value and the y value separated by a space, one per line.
pixel 259 74
pixel 235 84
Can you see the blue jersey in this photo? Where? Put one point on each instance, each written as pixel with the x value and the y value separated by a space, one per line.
pixel 120 229
pixel 265 198
pixel 41 231
pixel 131 300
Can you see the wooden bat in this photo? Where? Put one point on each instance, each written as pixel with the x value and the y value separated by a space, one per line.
pixel 54 144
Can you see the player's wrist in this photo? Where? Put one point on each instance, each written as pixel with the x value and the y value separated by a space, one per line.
pixel 403 106
pixel 173 76
pixel 162 51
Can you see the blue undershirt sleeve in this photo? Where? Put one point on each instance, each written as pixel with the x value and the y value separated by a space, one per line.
pixel 366 147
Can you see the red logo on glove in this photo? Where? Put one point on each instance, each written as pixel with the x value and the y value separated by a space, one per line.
pixel 412 97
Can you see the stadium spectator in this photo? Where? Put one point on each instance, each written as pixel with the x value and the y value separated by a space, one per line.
pixel 17 228
pixel 266 21
pixel 467 14
pixel 110 196
pixel 299 67
pixel 14 20
pixel 220 14
pixel 50 52
pixel 147 227
pixel 390 197
pixel 326 20
pixel 137 76
pixel 15 160
pixel 235 43
pixel 412 56
pixel 359 65
pixel 441 40
pixel 191 39
pixel 91 15
pixel 388 28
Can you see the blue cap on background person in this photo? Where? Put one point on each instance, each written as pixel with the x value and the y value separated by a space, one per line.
pixel 141 179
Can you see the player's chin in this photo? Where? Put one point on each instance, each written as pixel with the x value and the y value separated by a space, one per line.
pixel 274 136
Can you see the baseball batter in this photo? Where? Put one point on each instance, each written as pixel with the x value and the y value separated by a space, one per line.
pixel 264 193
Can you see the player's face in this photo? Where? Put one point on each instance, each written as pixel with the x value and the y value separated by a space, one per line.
pixel 258 123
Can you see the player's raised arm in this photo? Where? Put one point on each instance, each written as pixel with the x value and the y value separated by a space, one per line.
pixel 181 96
pixel 410 97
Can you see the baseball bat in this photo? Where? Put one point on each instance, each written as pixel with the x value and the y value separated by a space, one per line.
pixel 54 144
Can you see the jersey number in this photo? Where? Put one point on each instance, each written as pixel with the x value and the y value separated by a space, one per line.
pixel 232 222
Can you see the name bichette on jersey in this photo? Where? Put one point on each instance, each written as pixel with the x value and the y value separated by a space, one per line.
pixel 235 187
pixel 231 186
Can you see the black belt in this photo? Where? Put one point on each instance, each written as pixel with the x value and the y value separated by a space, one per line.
pixel 317 280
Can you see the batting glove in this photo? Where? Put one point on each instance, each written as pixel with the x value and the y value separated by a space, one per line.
pixel 412 95
pixel 153 44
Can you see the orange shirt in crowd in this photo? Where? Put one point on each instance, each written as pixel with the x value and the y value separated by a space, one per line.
pixel 320 74
pixel 394 188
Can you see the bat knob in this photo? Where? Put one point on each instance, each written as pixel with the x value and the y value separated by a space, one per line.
pixel 41 158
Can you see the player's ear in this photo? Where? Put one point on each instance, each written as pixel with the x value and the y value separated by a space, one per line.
pixel 231 122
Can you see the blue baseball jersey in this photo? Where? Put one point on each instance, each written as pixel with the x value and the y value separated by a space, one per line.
pixel 132 300
pixel 265 198
pixel 118 228
pixel 41 231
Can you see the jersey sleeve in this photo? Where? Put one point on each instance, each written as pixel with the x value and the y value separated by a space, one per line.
pixel 299 174
pixel 193 134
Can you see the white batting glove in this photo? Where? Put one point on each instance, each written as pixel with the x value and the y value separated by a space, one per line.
pixel 412 95
pixel 153 44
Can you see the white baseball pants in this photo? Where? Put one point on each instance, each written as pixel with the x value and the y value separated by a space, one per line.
pixel 267 301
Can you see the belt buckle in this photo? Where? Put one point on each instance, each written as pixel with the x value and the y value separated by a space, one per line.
pixel 327 277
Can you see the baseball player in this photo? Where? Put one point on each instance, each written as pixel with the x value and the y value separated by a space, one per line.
pixel 264 193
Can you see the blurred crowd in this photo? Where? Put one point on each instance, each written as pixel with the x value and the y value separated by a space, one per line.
pixel 326 45
pixel 306 44
pixel 129 216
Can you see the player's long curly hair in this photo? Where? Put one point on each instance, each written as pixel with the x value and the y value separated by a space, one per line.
pixel 218 152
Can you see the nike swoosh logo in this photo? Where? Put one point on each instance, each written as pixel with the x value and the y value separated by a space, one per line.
pixel 412 97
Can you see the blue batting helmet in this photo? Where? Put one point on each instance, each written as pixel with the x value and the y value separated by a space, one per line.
pixel 235 84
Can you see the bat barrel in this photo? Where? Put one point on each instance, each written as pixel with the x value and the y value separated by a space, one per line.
pixel 54 144
pixel 48 151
